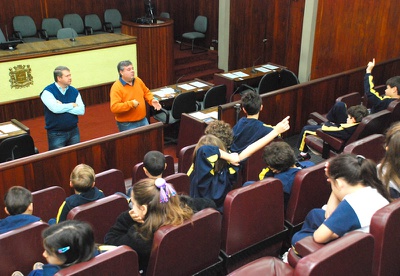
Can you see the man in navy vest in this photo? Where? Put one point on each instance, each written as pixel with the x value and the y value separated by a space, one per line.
pixel 62 105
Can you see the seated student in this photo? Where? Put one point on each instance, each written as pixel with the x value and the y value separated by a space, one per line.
pixel 214 170
pixel 357 194
pixel 65 244
pixel 249 129
pixel 389 168
pixel 154 164
pixel 82 180
pixel 391 92
pixel 155 204
pixel 282 164
pixel 338 128
pixel 19 208
pixel 221 130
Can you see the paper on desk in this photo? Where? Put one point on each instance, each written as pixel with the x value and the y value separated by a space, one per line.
pixel 230 75
pixel 186 86
pixel 270 66
pixel 201 116
pixel 165 93
pixel 262 69
pixel 9 128
pixel 198 84
pixel 213 114
pixel 240 74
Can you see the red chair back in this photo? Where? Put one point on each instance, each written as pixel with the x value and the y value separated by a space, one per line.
pixel 47 201
pixel 180 181
pixel 111 181
pixel 385 225
pixel 21 248
pixel 121 261
pixel 187 248
pixel 100 214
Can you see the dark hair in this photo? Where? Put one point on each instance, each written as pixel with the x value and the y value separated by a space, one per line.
pixel 154 162
pixel 251 102
pixel 58 72
pixel 358 112
pixel 145 192
pixel 221 130
pixel 82 178
pixel 389 170
pixel 122 64
pixel 394 82
pixel 17 200
pixel 356 169
pixel 71 241
pixel 279 156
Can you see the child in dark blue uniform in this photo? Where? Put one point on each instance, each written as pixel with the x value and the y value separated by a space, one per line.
pixel 19 208
pixel 391 92
pixel 339 129
pixel 282 164
pixel 66 244
pixel 213 169
pixel 82 180
pixel 249 129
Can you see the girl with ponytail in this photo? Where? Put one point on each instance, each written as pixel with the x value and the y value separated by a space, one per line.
pixel 357 193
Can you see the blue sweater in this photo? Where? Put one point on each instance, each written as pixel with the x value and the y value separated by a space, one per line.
pixel 16 221
pixel 61 121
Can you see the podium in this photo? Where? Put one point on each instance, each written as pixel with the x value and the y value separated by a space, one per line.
pixel 155 50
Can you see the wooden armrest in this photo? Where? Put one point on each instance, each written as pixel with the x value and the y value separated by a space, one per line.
pixel 333 142
pixel 307 246
pixel 319 118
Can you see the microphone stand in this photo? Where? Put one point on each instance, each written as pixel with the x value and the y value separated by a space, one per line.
pixel 177 90
pixel 253 70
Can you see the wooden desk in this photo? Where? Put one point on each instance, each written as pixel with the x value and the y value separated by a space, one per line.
pixel 244 76
pixel 165 95
pixel 12 128
pixel 193 125
pixel 155 50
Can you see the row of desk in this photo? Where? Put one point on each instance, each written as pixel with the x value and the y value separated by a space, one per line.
pixel 193 124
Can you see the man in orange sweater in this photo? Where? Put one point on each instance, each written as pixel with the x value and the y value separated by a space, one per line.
pixel 127 98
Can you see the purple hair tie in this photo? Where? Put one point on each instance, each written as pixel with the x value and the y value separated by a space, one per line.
pixel 166 190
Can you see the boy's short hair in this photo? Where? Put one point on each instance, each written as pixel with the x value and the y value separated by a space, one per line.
pixel 17 199
pixel 221 130
pixel 251 102
pixel 82 178
pixel 154 162
pixel 394 82
pixel 279 156
pixel 358 112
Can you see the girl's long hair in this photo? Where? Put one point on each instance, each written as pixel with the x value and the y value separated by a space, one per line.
pixel 211 140
pixel 158 213
pixel 389 170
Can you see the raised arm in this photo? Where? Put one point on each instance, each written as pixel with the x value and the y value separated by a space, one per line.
pixel 281 127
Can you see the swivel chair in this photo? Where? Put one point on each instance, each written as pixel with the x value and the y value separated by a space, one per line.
pixel 112 20
pixel 25 29
pixel 50 27
pixel 16 147
pixel 200 28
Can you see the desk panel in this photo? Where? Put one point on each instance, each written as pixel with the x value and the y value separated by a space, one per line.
pixel 250 76
pixel 192 127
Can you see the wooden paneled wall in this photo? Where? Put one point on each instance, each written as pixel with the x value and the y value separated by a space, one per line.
pixel 53 168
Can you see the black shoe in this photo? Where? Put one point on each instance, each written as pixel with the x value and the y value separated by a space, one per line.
pixel 304 157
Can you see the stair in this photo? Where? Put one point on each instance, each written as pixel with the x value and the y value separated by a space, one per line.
pixel 190 66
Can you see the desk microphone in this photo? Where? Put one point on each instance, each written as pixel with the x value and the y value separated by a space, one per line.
pixel 253 70
pixel 234 93
pixel 73 37
pixel 177 90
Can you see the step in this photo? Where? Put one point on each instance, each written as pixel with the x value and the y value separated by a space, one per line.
pixel 188 57
pixel 206 75
pixel 187 68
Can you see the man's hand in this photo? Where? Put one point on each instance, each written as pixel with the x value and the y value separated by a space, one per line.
pixel 156 104
pixel 135 103
pixel 370 66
